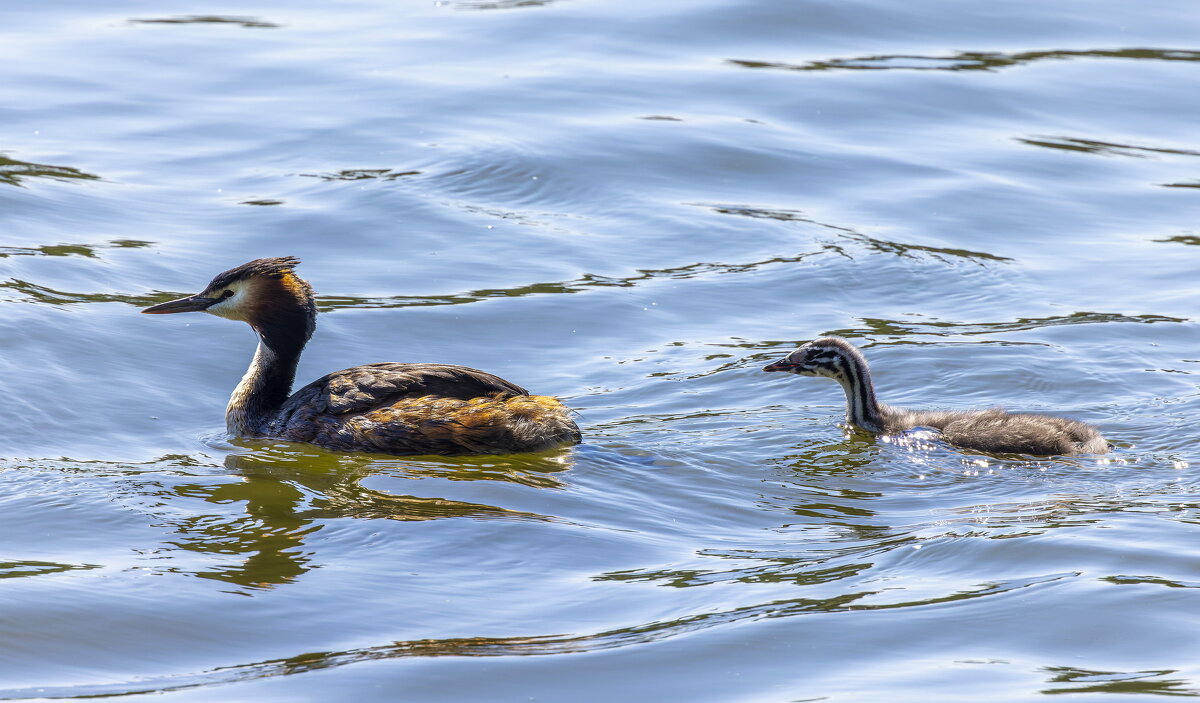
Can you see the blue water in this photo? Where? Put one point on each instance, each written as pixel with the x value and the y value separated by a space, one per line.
pixel 632 206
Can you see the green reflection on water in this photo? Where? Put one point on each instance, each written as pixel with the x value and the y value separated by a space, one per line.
pixel 1126 682
pixel 289 492
pixel 21 569
pixel 86 250
pixel 34 293
pixel 14 172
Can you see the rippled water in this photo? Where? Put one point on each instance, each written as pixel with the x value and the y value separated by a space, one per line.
pixel 632 206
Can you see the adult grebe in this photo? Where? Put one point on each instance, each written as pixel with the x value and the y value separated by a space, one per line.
pixel 389 407
pixel 992 430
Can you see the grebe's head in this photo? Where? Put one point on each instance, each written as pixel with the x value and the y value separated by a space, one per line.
pixel 832 357
pixel 266 293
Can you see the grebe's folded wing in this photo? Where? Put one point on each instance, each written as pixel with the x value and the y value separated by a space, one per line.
pixel 364 388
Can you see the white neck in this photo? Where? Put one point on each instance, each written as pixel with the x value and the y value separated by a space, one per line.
pixel 262 391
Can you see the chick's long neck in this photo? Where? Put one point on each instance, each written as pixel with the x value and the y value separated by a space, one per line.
pixel 862 407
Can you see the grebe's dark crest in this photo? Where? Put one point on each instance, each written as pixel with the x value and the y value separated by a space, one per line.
pixel 389 407
pixel 992 430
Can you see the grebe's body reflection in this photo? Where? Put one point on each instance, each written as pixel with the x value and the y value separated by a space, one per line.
pixel 289 494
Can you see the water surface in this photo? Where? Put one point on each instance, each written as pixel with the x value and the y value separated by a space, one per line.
pixel 634 207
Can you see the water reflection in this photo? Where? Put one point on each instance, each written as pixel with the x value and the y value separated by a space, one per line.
pixel 1129 580
pixel 500 4
pixel 879 246
pixel 86 250
pixel 1123 682
pixel 250 22
pixel 759 565
pixel 643 633
pixel 33 292
pixel 903 330
pixel 20 569
pixel 967 60
pixel 759 497
pixel 1069 510
pixel 1183 238
pixel 1092 146
pixel 832 533
pixel 269 538
pixel 361 174
pixel 289 493
pixel 14 172
pixel 29 292
pixel 855 451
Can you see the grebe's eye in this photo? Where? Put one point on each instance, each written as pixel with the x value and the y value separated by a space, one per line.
pixel 226 294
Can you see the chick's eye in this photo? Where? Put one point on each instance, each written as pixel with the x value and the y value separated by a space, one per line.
pixel 227 294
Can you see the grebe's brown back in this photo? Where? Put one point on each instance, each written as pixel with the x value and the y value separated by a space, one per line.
pixel 391 408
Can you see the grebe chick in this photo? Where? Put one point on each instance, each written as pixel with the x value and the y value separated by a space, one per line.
pixel 390 408
pixel 992 430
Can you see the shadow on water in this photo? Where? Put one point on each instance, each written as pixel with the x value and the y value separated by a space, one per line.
pixel 969 60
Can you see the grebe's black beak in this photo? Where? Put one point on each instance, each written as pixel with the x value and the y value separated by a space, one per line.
pixel 781 365
pixel 192 303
